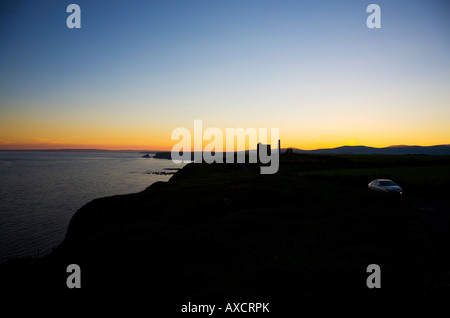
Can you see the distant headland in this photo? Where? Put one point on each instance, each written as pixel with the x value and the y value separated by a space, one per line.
pixel 439 150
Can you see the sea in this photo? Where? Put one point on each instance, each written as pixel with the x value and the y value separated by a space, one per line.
pixel 41 191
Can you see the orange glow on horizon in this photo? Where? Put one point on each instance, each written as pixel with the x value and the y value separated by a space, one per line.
pixel 168 147
pixel 50 133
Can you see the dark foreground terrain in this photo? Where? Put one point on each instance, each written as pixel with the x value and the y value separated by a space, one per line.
pixel 224 233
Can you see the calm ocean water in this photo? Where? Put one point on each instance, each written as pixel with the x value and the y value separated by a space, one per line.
pixel 40 191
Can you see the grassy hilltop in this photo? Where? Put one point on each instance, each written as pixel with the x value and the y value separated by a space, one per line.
pixel 224 232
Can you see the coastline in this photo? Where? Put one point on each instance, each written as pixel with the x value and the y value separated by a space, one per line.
pixel 213 231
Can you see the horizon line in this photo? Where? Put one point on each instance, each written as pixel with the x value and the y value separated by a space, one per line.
pixel 152 150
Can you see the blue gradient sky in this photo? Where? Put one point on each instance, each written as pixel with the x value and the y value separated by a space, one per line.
pixel 136 70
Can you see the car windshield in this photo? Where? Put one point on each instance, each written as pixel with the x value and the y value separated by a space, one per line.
pixel 387 183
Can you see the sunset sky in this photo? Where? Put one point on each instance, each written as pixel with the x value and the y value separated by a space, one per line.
pixel 137 70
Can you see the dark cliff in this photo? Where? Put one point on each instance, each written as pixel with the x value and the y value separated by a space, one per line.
pixel 224 232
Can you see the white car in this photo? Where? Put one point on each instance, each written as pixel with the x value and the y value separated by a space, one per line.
pixel 385 185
